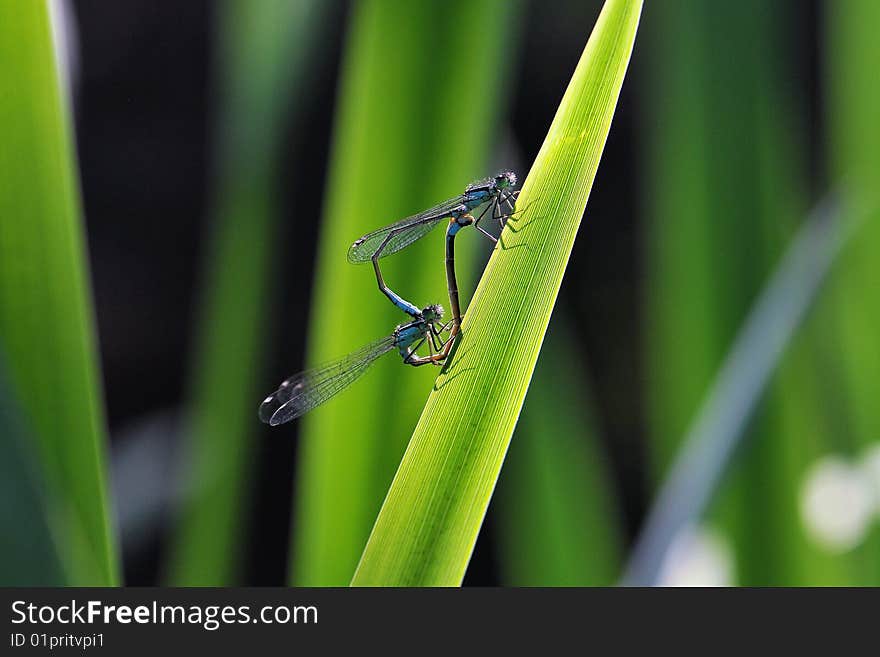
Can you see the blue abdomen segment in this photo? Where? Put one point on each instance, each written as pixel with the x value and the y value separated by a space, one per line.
pixel 403 304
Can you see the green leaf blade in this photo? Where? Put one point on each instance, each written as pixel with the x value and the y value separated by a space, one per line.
pixel 429 523
pixel 46 316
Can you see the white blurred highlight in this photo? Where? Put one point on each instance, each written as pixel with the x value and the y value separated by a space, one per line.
pixel 698 556
pixel 871 469
pixel 837 502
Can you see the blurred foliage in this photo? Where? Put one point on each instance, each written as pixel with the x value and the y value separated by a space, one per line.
pixel 722 423
pixel 557 517
pixel 407 135
pixel 853 53
pixel 429 522
pixel 263 48
pixel 46 322
pixel 725 189
pixel 724 192
pixel 29 555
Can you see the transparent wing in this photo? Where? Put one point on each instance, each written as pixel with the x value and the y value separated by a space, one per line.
pixel 304 391
pixel 406 231
pixel 482 183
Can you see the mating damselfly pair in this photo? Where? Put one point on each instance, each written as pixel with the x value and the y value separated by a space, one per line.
pixel 306 390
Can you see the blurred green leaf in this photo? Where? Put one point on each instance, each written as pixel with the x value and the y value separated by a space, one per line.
pixel 29 555
pixel 725 190
pixel 428 525
pixel 853 52
pixel 46 321
pixel 415 123
pixel 557 517
pixel 263 48
pixel 721 424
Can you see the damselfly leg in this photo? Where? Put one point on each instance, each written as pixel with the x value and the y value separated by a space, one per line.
pixel 498 213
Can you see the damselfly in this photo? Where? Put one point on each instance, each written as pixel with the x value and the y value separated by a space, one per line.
pixel 304 391
pixel 399 235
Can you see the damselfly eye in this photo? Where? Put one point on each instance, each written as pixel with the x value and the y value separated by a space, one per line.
pixel 433 312
pixel 505 179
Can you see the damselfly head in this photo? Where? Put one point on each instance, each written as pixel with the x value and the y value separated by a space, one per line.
pixel 505 179
pixel 433 313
